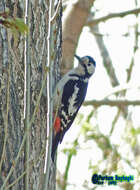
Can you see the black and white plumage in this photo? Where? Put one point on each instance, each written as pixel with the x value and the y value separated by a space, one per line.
pixel 69 96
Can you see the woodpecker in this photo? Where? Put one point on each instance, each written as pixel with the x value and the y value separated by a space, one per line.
pixel 69 95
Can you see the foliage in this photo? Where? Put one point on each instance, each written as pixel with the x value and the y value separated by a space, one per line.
pixel 14 24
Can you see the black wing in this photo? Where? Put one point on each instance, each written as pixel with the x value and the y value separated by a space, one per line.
pixel 74 93
pixel 72 98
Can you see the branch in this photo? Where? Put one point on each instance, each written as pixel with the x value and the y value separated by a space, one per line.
pixel 49 65
pixel 74 19
pixel 120 88
pixel 113 15
pixel 56 11
pixel 27 95
pixel 107 62
pixel 32 163
pixel 117 103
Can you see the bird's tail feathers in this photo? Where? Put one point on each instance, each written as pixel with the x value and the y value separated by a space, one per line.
pixel 55 143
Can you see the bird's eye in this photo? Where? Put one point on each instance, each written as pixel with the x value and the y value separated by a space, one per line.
pixel 89 64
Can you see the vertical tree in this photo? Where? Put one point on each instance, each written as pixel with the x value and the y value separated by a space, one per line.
pixel 23 89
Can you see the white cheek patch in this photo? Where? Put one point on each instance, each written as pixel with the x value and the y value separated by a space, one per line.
pixel 91 69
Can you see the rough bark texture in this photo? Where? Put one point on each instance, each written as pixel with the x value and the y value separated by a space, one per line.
pixel 12 128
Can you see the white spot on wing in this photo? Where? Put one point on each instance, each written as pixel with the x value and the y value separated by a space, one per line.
pixel 63 123
pixel 86 80
pixel 60 86
pixel 65 115
pixel 72 109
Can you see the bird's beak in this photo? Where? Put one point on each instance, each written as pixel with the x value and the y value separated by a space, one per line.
pixel 79 58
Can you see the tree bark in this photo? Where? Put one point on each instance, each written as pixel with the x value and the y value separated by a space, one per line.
pixel 13 133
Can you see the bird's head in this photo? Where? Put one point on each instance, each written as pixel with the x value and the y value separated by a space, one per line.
pixel 87 64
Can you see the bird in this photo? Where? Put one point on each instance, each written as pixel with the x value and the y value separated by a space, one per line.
pixel 68 97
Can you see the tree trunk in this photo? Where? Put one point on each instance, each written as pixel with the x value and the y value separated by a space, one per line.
pixel 22 73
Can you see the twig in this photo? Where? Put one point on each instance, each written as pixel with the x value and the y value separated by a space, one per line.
pixel 120 88
pixel 115 121
pixel 17 179
pixel 67 170
pixel 112 15
pixel 118 103
pixel 56 11
pixel 107 62
pixel 130 69
pixel 31 164
pixel 49 102
pixel 27 97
